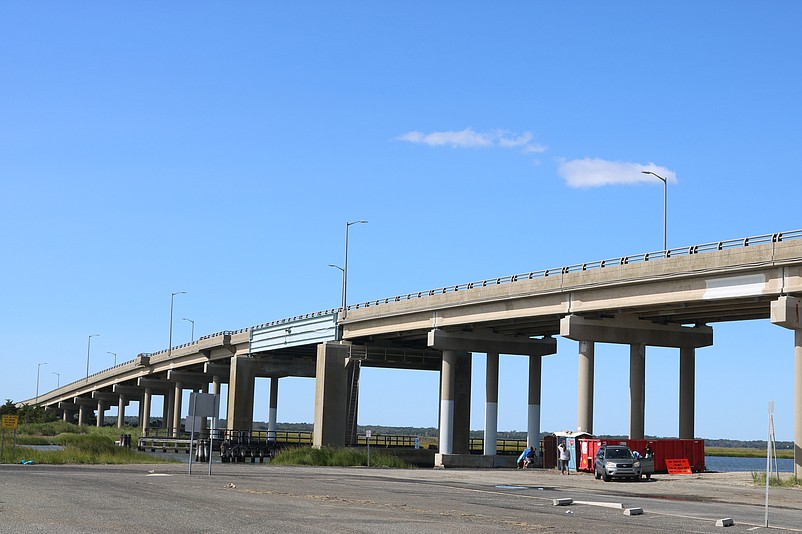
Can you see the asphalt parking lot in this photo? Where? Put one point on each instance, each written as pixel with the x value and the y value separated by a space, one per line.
pixel 237 497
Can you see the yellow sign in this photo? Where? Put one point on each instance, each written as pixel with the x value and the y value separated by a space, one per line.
pixel 10 422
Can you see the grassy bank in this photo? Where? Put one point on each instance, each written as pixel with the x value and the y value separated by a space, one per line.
pixel 744 452
pixel 81 445
pixel 776 481
pixel 336 457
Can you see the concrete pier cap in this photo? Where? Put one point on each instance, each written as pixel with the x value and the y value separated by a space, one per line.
pixel 785 312
pixel 486 341
pixel 630 330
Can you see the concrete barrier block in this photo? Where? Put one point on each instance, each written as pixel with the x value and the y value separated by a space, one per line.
pixel 633 511
pixel 726 522
pixel 562 502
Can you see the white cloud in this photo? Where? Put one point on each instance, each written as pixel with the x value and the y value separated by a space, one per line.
pixel 598 172
pixel 468 138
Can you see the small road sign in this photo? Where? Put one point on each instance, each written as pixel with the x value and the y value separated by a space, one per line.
pixel 10 422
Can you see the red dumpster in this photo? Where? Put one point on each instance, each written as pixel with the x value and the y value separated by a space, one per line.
pixel 662 449
pixel 672 449
pixel 588 447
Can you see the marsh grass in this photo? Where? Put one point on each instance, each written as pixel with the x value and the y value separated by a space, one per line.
pixel 94 447
pixel 336 457
pixel 790 482
pixel 743 452
pixel 53 428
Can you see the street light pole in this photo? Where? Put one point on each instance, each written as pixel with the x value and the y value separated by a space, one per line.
pixel 58 379
pixel 343 276
pixel 193 327
pixel 38 365
pixel 88 346
pixel 665 202
pixel 170 339
pixel 345 264
pixel 115 357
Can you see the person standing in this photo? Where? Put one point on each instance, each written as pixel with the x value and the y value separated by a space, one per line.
pixel 565 457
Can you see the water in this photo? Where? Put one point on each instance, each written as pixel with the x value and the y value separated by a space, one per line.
pixel 44 447
pixel 725 464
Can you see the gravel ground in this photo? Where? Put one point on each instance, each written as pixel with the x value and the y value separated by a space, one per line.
pixel 158 498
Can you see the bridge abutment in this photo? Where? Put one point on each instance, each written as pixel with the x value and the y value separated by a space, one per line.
pixel 242 377
pixel 331 395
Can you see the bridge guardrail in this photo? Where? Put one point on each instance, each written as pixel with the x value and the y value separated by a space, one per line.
pixel 599 264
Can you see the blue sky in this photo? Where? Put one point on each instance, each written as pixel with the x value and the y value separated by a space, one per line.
pixel 219 149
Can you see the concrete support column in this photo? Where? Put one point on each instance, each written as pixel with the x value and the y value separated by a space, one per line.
pixel 637 390
pixel 533 408
pixel 178 395
pixel 687 386
pixel 447 371
pixel 273 409
pixel 240 393
pixel 798 402
pixel 121 411
pixel 82 415
pixel 491 404
pixel 101 412
pixel 65 416
pixel 584 407
pixel 144 421
pixel 462 404
pixel 331 395
pixel 785 312
pixel 169 407
pixel 141 411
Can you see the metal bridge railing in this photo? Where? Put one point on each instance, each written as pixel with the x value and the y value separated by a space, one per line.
pixel 386 441
pixel 503 446
pixel 599 264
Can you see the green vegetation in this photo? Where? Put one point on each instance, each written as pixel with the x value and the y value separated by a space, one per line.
pixel 28 414
pixel 82 445
pixel 52 428
pixel 791 482
pixel 743 452
pixel 336 457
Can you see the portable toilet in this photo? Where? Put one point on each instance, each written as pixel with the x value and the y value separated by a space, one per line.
pixel 571 441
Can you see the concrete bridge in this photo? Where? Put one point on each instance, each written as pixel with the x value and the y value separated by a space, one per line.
pixel 667 299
